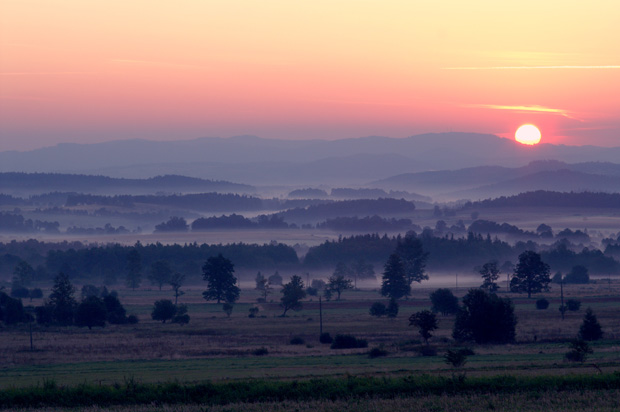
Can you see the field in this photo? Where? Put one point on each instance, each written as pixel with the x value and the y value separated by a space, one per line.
pixel 216 348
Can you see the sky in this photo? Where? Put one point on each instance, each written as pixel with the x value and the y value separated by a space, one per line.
pixel 92 71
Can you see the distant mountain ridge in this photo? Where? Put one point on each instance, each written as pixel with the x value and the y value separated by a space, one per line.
pixel 261 161
pixel 493 181
pixel 24 183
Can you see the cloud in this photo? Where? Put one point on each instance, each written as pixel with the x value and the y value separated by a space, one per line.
pixel 532 67
pixel 534 108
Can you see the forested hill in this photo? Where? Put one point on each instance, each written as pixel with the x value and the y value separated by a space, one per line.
pixel 543 198
pixel 48 182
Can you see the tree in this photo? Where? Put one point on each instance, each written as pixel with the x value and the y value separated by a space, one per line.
pixel 262 285
pixel 23 274
pixel 426 322
pixel 578 275
pixel 115 312
pixel 174 224
pixel 363 270
pixel 490 274
pixel 62 301
pixel 275 279
pixel 444 302
pixel 176 281
pixel 590 329
pixel 11 310
pixel 134 269
pixel 163 310
pixel 91 312
pixel 180 315
pixel 338 283
pixel 531 274
pixel 414 259
pixel 160 273
pixel 580 349
pixel 292 293
pixel 222 285
pixel 395 284
pixel 485 318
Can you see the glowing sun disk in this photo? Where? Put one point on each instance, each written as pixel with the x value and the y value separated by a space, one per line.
pixel 528 134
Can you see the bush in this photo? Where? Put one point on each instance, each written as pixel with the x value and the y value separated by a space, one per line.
pixel 392 309
pixel 91 312
pixel 325 338
pixel 457 358
pixel 262 351
pixel 485 318
pixel 444 302
pixel 377 352
pixel 573 305
pixel 312 291
pixel 542 304
pixel 132 319
pixel 35 293
pixel 20 292
pixel 579 351
pixel 253 312
pixel 590 328
pixel 181 317
pixel 297 340
pixel 348 342
pixel 163 310
pixel 426 350
pixel 227 308
pixel 378 309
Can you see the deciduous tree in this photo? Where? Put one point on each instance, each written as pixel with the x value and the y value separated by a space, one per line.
pixel 292 293
pixel 395 284
pixel 490 274
pixel 425 321
pixel 222 284
pixel 414 259
pixel 531 274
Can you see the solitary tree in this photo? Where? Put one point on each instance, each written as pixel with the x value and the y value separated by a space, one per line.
pixel 363 270
pixel 176 281
pixel 426 322
pixel 91 312
pixel 222 286
pixel 444 302
pixel 61 300
pixel 292 293
pixel 23 274
pixel 485 318
pixel 531 274
pixel 414 259
pixel 262 285
pixel 160 273
pixel 134 269
pixel 590 328
pixel 337 283
pixel 163 310
pixel 490 274
pixel 395 284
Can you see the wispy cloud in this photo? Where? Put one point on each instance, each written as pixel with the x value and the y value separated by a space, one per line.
pixel 156 63
pixel 40 73
pixel 534 108
pixel 532 67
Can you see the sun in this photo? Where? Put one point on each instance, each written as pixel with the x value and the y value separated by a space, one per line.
pixel 528 134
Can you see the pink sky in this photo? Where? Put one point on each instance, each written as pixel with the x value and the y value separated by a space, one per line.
pixel 76 71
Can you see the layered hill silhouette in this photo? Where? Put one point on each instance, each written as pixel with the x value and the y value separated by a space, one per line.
pixel 260 161
pixel 492 181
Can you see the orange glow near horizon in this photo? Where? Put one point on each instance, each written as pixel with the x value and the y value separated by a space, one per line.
pixel 92 71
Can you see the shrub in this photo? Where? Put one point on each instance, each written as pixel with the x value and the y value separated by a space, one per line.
pixel 485 318
pixel 20 292
pixel 578 275
pixel 227 308
pixel 378 309
pixel 91 312
pixel 312 291
pixel 579 351
pixel 132 319
pixel 377 352
pixel 573 305
pixel 392 309
pixel 457 358
pixel 325 338
pixel 35 293
pixel 163 310
pixel 297 340
pixel 181 317
pixel 542 304
pixel 443 301
pixel 348 342
pixel 426 350
pixel 262 351
pixel 590 328
pixel 253 312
